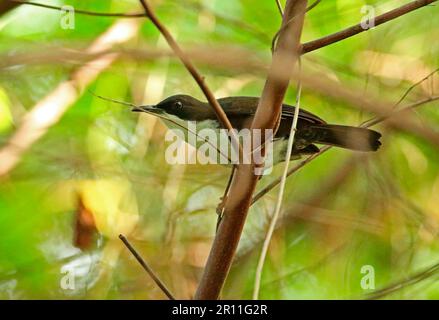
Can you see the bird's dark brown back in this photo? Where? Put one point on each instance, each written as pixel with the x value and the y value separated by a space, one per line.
pixel 242 109
pixel 310 128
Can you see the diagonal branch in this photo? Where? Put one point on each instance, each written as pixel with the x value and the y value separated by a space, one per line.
pixel 368 124
pixel 280 196
pixel 222 117
pixel 358 28
pixel 404 283
pixel 145 266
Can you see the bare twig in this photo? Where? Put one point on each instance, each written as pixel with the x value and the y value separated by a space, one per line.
pixel 313 5
pixel 79 11
pixel 377 119
pixel 358 28
pixel 277 209
pixel 415 85
pixel 320 83
pixel 266 117
pixel 319 263
pixel 151 273
pixel 279 7
pixel 222 117
pixel 275 182
pixel 413 279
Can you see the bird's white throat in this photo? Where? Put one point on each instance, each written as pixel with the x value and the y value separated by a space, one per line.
pixel 214 145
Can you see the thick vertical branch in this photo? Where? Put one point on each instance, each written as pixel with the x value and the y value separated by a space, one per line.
pixel 235 212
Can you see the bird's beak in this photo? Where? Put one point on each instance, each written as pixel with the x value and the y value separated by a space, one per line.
pixel 150 108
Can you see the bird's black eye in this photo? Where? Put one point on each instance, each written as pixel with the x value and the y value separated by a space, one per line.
pixel 178 104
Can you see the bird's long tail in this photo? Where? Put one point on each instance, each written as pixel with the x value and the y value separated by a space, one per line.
pixel 355 138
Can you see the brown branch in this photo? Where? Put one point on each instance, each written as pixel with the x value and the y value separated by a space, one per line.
pixel 79 11
pixel 377 120
pixel 415 85
pixel 222 117
pixel 356 29
pixel 400 121
pixel 276 35
pixel 263 37
pixel 402 284
pixel 313 5
pixel 235 212
pixel 151 273
pixel 279 7
pixel 294 169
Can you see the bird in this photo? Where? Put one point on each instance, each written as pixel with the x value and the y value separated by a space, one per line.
pixel 311 130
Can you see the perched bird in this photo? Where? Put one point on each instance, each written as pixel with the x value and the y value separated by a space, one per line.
pixel 311 129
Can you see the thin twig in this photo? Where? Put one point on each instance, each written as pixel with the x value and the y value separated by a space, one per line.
pixel 276 35
pixel 276 213
pixel 151 273
pixel 374 120
pixel 358 28
pixel 275 182
pixel 415 85
pixel 83 12
pixel 413 279
pixel 220 208
pixel 279 7
pixel 312 6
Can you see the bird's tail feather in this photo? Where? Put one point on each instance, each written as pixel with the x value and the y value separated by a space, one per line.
pixel 354 138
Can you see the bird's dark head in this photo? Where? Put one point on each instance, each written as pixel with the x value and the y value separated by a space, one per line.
pixel 182 106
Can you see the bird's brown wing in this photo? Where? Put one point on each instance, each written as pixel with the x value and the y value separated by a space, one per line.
pixel 288 113
pixel 246 106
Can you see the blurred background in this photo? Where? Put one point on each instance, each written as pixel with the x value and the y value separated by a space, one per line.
pixel 76 171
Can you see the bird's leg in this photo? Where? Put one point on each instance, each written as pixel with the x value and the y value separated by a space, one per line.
pixel 223 199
